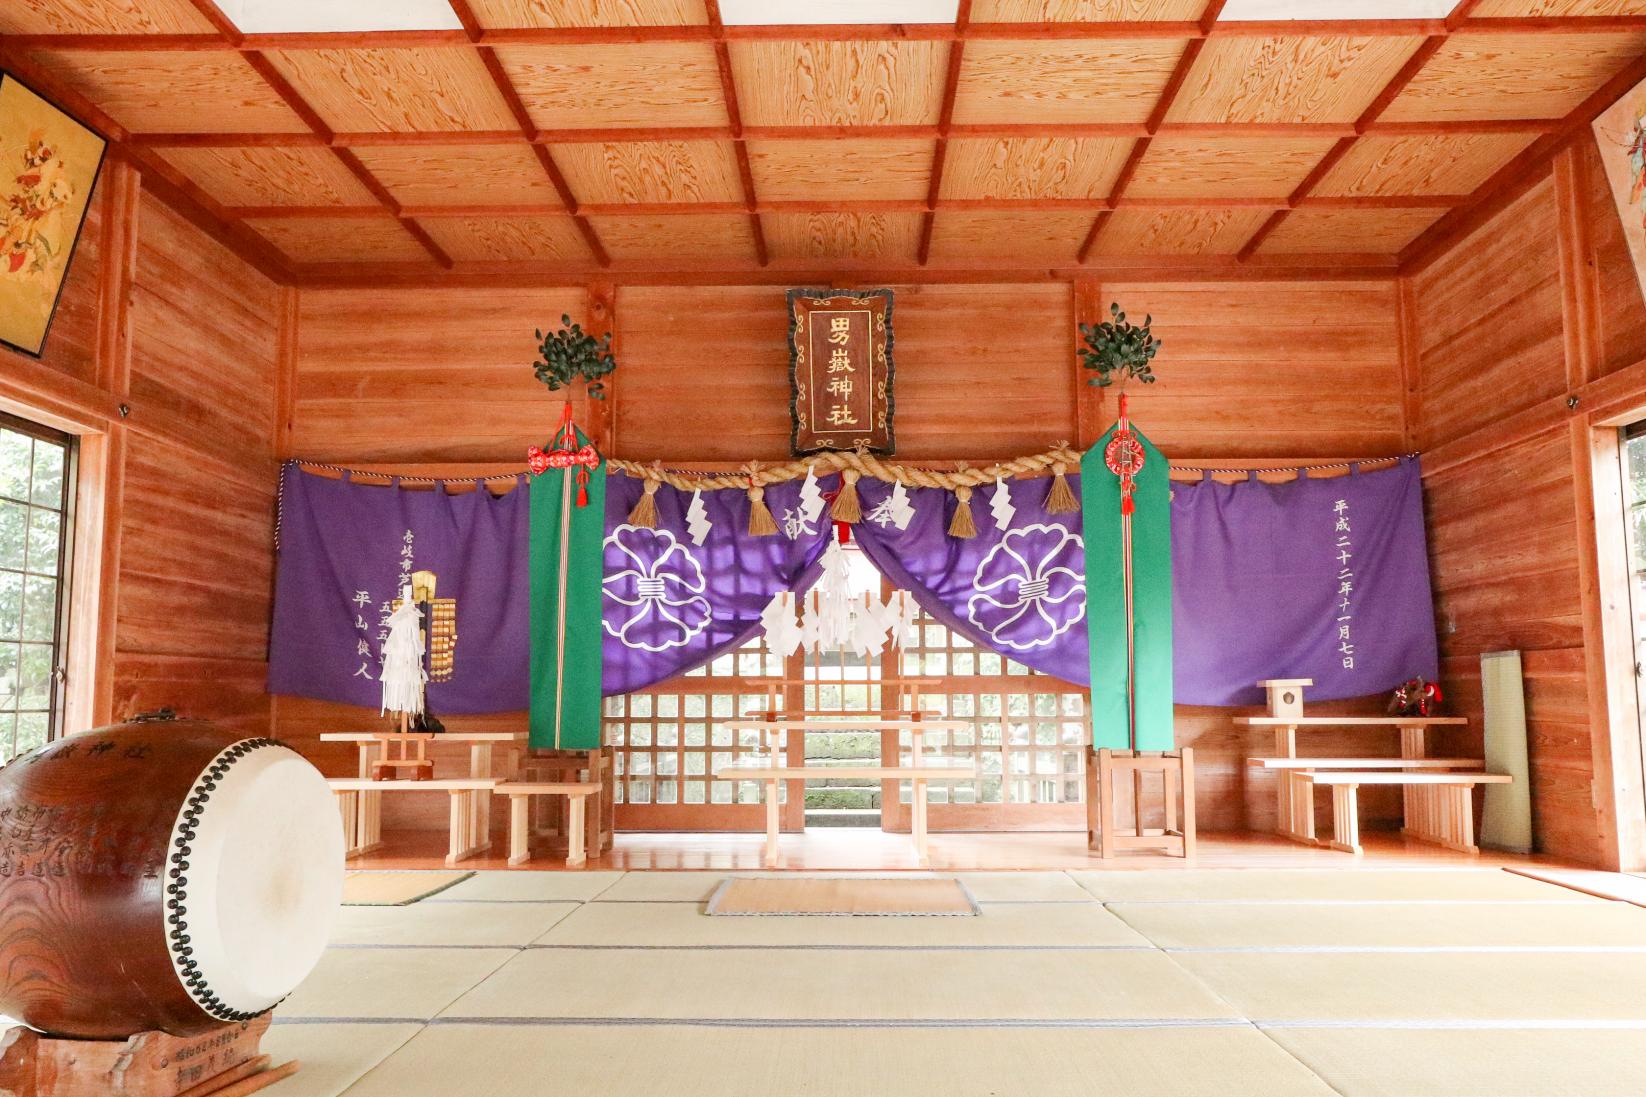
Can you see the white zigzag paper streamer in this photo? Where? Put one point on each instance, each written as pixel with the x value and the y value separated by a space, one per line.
pixel 811 497
pixel 1001 506
pixel 697 519
pixel 902 511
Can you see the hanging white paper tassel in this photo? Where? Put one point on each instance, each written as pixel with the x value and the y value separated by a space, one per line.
pixel 778 619
pixel 697 518
pixel 403 674
pixel 834 602
pixel 1001 505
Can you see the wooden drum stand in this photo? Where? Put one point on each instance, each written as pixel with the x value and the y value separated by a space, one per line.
pixel 1103 814
pixel 223 1062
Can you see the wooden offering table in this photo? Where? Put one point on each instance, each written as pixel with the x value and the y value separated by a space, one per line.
pixel 1431 787
pixel 915 723
pixel 360 802
pixel 759 768
pixel 373 748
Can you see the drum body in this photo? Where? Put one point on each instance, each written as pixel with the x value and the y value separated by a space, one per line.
pixel 165 875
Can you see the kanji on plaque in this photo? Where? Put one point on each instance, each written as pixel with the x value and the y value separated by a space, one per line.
pixel 840 370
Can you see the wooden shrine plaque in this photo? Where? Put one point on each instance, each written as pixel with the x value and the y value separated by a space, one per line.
pixel 840 370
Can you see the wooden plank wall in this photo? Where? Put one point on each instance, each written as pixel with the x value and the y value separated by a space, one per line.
pixel 1539 303
pixel 177 491
pixel 1268 370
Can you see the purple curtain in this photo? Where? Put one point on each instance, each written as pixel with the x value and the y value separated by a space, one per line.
pixel 1019 591
pixel 345 551
pixel 1313 578
pixel 1325 579
pixel 672 605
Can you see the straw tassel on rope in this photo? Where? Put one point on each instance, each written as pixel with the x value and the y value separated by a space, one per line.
pixel 761 523
pixel 1060 499
pixel 961 525
pixel 846 508
pixel 644 513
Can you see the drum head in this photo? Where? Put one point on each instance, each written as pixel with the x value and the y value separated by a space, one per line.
pixel 256 875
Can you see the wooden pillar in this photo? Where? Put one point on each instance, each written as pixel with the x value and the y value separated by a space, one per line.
pixel 1579 270
pixel 103 460
pixel 1411 370
pixel 1614 719
pixel 1091 413
pixel 599 418
pixel 285 376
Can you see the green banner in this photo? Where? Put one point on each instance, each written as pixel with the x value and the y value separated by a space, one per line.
pixel 566 571
pixel 1151 659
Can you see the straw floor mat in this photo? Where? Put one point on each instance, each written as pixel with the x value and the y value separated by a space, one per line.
pixel 1321 886
pixel 396 889
pixel 1393 926
pixel 783 895
pixel 684 1061
pixel 834 984
pixel 1365 982
pixel 998 925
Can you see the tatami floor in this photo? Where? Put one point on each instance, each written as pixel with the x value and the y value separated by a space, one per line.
pixel 1447 978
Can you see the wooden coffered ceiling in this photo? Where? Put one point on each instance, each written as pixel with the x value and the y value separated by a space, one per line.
pixel 554 137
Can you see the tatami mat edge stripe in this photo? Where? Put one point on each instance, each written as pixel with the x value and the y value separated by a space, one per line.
pixel 1531 1024
pixel 1332 949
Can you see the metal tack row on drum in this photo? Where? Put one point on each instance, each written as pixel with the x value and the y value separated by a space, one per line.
pixel 161 875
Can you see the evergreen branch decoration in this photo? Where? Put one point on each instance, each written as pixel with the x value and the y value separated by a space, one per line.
pixel 1119 349
pixel 565 355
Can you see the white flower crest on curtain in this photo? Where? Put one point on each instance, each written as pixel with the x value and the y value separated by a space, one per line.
pixel 658 590
pixel 1031 587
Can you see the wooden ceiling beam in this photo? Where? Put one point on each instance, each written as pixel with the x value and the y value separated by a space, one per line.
pixel 228 37
pixel 892 205
pixel 1391 91
pixel 473 33
pixel 850 272
pixel 945 121
pixel 1157 118
pixel 391 138
pixel 1517 176
pixel 734 117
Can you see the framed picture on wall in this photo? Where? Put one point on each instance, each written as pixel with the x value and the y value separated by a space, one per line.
pixel 48 167
pixel 1620 133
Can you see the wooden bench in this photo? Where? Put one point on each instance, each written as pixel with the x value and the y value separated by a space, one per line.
pixel 1447 817
pixel 360 802
pixel 520 794
pixel 545 766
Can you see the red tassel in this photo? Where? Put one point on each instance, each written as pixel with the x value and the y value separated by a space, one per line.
pixel 582 485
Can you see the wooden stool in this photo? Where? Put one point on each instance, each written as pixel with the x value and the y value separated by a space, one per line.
pixel 405 766
pixel 570 767
pixel 1103 825
pixel 520 793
